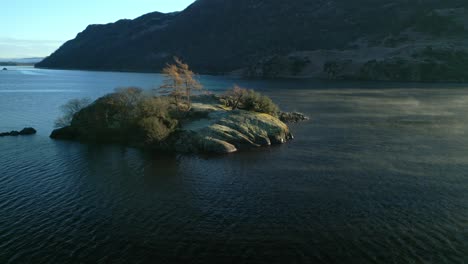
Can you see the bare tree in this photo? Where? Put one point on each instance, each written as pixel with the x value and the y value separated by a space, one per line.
pixel 234 96
pixel 70 109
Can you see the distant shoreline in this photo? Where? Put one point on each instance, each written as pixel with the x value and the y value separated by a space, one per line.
pixel 241 77
pixel 128 71
pixel 9 63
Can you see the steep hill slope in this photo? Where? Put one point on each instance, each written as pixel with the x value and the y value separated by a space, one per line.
pixel 364 39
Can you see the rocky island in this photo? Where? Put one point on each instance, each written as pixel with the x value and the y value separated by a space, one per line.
pixel 178 122
pixel 27 131
pixel 209 127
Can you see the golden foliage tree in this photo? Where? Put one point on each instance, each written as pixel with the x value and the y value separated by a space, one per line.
pixel 180 83
pixel 172 84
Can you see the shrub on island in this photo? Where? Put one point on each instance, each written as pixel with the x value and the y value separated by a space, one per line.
pixel 240 98
pixel 127 115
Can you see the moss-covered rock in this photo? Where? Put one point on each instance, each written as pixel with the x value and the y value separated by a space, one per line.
pixel 228 131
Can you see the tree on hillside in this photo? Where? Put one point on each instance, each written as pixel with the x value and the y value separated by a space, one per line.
pixel 180 83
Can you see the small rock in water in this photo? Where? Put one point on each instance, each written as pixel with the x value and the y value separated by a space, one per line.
pixel 292 117
pixel 25 132
pixel 28 131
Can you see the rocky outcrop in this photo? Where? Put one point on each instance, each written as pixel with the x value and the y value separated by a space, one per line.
pixel 24 132
pixel 65 133
pixel 228 131
pixel 4 69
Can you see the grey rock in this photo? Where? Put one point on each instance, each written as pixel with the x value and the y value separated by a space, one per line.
pixel 292 117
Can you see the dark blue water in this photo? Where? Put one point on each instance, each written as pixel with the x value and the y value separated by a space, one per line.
pixel 379 175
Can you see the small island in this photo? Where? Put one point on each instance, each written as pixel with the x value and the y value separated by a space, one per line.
pixel 27 131
pixel 178 120
pixel 4 69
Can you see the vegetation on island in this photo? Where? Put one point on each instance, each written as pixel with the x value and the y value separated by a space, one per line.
pixel 179 116
pixel 240 98
pixel 69 110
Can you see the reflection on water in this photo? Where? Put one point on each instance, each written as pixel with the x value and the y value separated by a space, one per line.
pixel 377 175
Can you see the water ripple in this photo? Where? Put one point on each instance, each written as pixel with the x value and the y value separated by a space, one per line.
pixel 377 176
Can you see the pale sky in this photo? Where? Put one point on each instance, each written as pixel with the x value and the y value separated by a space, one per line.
pixel 36 28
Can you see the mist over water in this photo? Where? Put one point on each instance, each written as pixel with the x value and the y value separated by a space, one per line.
pixel 379 174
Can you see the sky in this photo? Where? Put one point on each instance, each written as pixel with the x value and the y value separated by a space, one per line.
pixel 36 28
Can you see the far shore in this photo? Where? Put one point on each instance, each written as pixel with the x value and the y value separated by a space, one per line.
pixel 365 83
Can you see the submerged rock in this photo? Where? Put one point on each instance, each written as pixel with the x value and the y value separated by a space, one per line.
pixel 14 133
pixel 24 132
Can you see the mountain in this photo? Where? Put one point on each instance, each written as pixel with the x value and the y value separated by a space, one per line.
pixel 418 40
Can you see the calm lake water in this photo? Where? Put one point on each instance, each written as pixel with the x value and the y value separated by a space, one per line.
pixel 379 175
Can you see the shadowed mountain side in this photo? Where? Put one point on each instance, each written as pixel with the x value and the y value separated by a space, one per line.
pixel 255 38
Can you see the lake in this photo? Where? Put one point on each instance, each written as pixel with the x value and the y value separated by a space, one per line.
pixel 379 174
